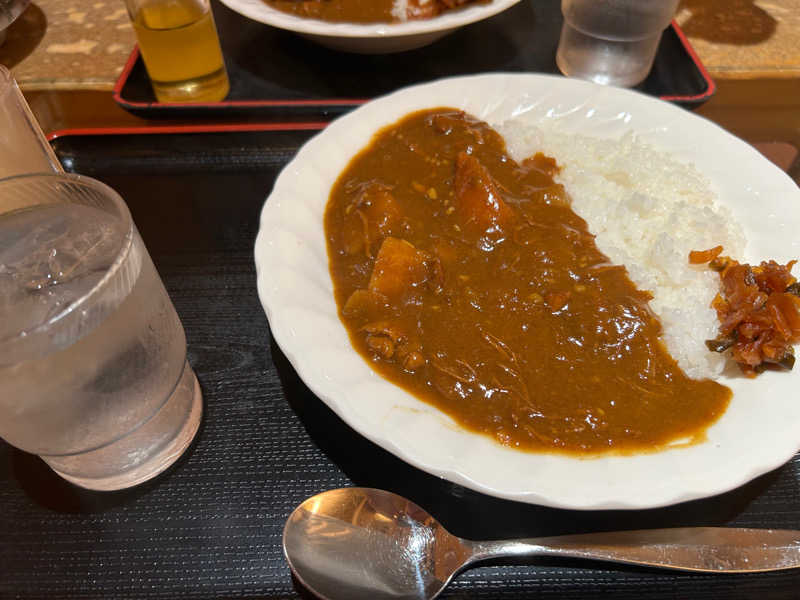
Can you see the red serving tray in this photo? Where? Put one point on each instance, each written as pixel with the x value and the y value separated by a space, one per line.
pixel 278 75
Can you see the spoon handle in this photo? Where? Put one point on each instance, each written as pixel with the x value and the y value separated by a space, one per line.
pixel 702 549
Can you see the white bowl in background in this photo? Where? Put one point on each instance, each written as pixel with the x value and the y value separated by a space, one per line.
pixel 370 38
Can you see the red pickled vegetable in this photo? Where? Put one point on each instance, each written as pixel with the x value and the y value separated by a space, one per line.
pixel 698 257
pixel 758 311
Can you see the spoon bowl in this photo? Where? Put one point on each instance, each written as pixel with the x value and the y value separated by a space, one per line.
pixel 368 544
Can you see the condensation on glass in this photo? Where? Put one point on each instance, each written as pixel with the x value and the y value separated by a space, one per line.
pixel 612 42
pixel 93 370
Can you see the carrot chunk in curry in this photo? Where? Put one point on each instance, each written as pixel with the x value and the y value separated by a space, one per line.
pixel 398 271
pixel 465 278
pixel 478 202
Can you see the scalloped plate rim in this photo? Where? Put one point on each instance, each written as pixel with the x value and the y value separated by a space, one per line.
pixel 407 99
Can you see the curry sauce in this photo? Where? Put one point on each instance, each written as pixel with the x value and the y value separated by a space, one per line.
pixel 465 278
pixel 366 11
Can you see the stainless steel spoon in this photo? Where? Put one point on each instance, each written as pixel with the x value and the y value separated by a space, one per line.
pixel 367 544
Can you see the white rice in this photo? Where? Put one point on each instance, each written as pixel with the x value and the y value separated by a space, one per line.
pixel 400 10
pixel 648 211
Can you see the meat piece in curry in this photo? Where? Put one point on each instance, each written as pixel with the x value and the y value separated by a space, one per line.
pixel 368 11
pixel 758 309
pixel 465 278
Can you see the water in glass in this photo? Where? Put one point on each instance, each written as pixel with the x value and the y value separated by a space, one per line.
pixel 93 371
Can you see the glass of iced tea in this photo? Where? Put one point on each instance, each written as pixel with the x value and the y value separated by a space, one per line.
pixel 23 148
pixel 93 371
pixel 180 48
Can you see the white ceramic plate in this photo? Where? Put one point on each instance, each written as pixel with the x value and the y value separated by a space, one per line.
pixel 374 38
pixel 759 431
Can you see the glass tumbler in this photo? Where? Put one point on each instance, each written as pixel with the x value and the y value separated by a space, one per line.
pixel 93 371
pixel 180 48
pixel 612 42
pixel 23 148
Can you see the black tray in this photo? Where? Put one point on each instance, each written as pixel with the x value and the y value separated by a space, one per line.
pixel 211 526
pixel 278 74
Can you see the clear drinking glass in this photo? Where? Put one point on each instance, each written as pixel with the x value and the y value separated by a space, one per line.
pixel 93 370
pixel 23 148
pixel 180 48
pixel 612 42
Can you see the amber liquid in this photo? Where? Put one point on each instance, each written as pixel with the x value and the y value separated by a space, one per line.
pixel 181 51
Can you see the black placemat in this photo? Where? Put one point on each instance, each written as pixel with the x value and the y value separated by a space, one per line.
pixel 211 526
pixel 278 74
